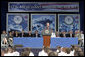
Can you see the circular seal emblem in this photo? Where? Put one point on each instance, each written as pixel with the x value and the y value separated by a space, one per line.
pixel 68 20
pixel 17 19
pixel 47 31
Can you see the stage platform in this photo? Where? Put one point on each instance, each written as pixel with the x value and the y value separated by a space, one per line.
pixel 34 42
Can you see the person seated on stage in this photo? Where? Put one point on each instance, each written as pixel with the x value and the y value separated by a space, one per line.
pixel 43 52
pixel 22 34
pixel 27 52
pixel 57 34
pixel 75 33
pixel 10 39
pixel 82 37
pixel 16 34
pixel 13 32
pixel 30 34
pixel 79 37
pixel 10 35
pixel 36 34
pixel 4 37
pixel 70 34
pixel 53 34
pixel 63 34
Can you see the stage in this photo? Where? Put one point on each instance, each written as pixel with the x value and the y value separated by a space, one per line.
pixel 34 42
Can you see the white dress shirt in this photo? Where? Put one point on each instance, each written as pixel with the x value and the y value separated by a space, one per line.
pixel 9 54
pixel 16 53
pixel 62 53
pixel 53 35
pixel 31 54
pixel 72 52
pixel 82 37
pixel 42 53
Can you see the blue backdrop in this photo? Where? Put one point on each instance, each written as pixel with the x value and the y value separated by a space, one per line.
pixel 69 22
pixel 18 22
pixel 39 21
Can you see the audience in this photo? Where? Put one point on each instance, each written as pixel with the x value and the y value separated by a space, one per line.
pixel 2 53
pixel 52 54
pixel 15 53
pixel 61 51
pixel 58 49
pixel 43 52
pixel 9 52
pixel 27 52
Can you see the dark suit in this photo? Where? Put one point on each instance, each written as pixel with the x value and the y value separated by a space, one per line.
pixel 69 35
pixel 29 35
pixel 15 35
pixel 62 35
pixel 22 35
pixel 34 35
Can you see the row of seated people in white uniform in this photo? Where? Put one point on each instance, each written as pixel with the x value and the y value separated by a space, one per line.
pixel 60 51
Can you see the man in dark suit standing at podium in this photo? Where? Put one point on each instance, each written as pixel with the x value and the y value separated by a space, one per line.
pixel 46 33
pixel 47 26
pixel 47 29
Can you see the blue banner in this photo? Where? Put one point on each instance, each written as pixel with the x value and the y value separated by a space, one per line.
pixel 43 7
pixel 69 22
pixel 17 22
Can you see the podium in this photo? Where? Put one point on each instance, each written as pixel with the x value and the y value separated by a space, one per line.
pixel 46 38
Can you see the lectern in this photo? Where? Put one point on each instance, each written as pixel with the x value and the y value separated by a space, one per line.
pixel 46 38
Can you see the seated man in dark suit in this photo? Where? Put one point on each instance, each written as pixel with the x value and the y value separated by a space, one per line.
pixel 36 34
pixel 16 34
pixel 70 34
pixel 63 34
pixel 29 34
pixel 22 34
